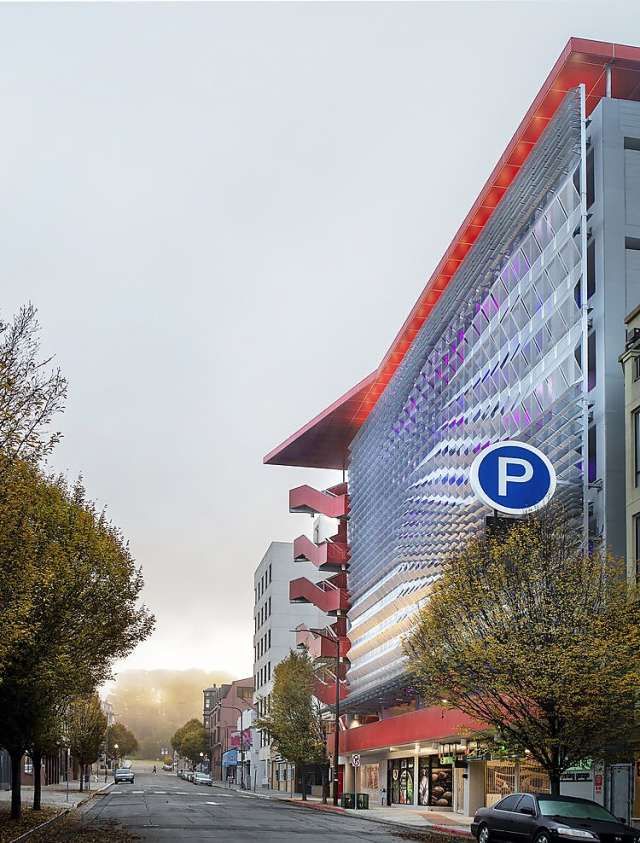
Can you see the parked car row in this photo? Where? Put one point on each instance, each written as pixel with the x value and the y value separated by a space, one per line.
pixel 196 778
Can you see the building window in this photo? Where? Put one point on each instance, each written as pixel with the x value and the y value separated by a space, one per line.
pixel 636 446
pixel 269 640
pixel 592 454
pixel 636 368
pixel 591 182
pixel 28 765
pixel 591 269
pixel 591 360
pixel 636 543
pixel 269 573
pixel 269 607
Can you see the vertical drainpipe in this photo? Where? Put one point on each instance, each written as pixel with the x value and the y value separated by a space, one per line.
pixel 607 72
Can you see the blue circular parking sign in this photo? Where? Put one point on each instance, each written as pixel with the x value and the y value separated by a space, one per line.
pixel 513 477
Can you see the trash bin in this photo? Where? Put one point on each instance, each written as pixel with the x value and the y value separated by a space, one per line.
pixel 363 801
pixel 348 800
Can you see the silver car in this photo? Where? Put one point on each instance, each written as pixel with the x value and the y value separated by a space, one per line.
pixel 123 774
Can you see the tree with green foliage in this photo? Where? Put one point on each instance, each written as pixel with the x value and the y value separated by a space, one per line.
pixel 126 740
pixel 76 589
pixel 86 725
pixel 190 740
pixel 537 637
pixel 294 721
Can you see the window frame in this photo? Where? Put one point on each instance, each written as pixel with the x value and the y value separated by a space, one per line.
pixel 635 421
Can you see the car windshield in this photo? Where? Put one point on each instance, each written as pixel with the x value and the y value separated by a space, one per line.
pixel 575 810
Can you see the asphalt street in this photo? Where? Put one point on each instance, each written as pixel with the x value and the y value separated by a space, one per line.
pixel 164 807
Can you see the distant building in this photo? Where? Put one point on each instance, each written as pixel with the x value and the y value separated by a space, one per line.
pixel 222 705
pixel 630 360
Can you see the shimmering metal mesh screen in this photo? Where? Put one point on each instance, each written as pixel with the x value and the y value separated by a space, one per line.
pixel 499 358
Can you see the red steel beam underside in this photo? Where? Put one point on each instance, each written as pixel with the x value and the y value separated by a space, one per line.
pixel 324 441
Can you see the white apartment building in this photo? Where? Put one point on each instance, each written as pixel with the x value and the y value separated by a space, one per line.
pixel 274 619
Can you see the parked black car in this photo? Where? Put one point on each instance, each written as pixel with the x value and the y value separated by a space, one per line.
pixel 541 818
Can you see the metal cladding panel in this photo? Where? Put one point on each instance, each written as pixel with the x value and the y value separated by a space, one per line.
pixel 500 357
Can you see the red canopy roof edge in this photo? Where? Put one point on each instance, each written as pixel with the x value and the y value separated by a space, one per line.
pixel 581 62
pixel 323 442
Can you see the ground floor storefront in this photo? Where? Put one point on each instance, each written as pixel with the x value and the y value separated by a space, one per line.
pixel 425 758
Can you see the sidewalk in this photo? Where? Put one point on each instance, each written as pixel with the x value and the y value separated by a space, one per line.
pixel 405 815
pixel 56 794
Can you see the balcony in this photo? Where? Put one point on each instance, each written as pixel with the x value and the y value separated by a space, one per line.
pixel 320 647
pixel 327 596
pixel 327 556
pixel 326 691
pixel 310 501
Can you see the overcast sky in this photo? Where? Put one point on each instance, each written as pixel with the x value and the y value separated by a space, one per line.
pixel 224 213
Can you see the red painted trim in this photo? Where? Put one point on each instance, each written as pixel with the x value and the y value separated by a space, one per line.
pixel 425 724
pixel 581 61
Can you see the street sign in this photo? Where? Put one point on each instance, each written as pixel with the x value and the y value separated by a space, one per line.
pixel 355 760
pixel 513 477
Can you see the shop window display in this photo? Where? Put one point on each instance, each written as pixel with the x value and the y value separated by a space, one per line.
pixel 435 785
pixel 401 774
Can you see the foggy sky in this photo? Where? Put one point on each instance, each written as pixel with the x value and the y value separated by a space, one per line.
pixel 224 213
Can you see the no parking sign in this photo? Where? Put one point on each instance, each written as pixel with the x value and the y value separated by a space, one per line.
pixel 513 477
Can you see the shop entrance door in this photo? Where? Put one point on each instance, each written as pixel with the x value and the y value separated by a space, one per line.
pixel 400 781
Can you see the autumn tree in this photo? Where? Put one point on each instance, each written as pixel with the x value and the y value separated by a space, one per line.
pixel 537 637
pixel 47 729
pixel 32 390
pixel 126 740
pixel 190 740
pixel 77 592
pixel 294 722
pixel 86 726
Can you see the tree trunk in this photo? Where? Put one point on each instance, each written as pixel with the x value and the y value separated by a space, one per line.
pixel 36 757
pixel 16 793
pixel 554 783
pixel 325 784
pixel 303 779
pixel 81 777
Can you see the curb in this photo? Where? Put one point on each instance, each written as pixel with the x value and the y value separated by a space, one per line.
pixel 63 813
pixel 315 806
pixel 37 828
pixel 443 831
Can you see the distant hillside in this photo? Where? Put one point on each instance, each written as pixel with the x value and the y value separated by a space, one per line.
pixel 154 703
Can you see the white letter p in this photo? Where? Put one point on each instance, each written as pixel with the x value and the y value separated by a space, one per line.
pixel 503 473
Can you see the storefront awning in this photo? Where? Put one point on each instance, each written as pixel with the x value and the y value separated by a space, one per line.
pixel 230 758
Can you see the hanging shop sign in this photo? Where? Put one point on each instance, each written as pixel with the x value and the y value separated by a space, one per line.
pixel 513 477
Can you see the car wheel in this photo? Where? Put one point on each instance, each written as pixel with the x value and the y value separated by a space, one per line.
pixel 484 835
pixel 543 837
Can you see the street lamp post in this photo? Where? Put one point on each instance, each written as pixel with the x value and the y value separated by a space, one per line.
pixel 115 749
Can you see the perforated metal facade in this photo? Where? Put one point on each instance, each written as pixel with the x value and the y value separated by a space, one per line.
pixel 501 357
